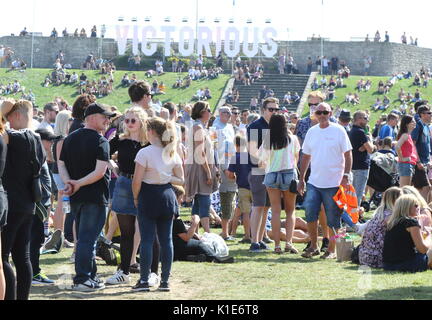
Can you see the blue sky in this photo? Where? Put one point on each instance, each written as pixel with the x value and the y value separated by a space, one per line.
pixel 293 19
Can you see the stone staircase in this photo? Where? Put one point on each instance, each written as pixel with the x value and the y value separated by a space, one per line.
pixel 279 83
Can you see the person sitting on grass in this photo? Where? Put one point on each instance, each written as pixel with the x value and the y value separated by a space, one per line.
pixel 188 245
pixel 207 93
pixel 416 80
pixel 377 104
pixel 47 81
pixel 300 234
pixel 371 247
pixel 367 85
pixel 406 246
pixel 125 82
pixel 425 217
pixel 381 87
pixel 385 103
pixel 161 88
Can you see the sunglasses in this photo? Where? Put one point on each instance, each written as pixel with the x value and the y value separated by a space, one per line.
pixel 428 112
pixel 130 120
pixel 236 113
pixel 313 104
pixel 273 109
pixel 326 113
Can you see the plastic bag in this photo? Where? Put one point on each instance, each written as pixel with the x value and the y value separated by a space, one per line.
pixel 216 242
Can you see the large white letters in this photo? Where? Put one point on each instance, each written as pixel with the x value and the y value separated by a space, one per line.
pixel 153 47
pixel 204 40
pixel 190 49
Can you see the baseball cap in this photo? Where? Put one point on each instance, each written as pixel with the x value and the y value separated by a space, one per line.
pixel 95 108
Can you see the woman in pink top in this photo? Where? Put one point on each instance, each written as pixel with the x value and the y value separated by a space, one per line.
pixel 406 151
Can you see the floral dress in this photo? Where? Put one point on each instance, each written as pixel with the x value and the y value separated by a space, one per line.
pixel 371 247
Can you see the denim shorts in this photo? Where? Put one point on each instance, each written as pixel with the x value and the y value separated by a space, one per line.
pixel 405 169
pixel 280 180
pixel 312 203
pixel 122 201
pixel 201 206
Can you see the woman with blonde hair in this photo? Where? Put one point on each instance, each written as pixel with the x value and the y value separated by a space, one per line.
pixel 127 145
pixel 425 218
pixel 406 247
pixel 157 167
pixel 370 249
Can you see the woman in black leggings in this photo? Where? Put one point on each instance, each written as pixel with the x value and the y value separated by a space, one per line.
pixel 17 180
pixel 127 145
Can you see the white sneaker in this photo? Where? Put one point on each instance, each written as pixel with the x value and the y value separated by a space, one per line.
pixel 118 278
pixel 153 279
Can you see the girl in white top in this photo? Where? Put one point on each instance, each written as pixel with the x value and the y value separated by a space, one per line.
pixel 156 168
pixel 279 155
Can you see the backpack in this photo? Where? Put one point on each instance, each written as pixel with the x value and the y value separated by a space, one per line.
pixel 216 243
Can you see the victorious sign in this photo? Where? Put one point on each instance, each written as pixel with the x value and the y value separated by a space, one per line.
pixel 248 41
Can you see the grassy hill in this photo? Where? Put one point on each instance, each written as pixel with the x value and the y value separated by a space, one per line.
pixel 33 79
pixel 368 98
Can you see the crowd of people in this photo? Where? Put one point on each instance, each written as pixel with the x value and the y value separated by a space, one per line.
pixel 238 167
pixel 247 73
pixel 95 167
pixel 404 38
pixel 77 34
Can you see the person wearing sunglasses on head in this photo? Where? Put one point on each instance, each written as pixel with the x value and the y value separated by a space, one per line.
pixel 328 149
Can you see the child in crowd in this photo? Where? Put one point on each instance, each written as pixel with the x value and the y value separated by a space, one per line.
pixel 239 169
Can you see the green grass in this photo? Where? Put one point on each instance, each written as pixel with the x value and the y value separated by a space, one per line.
pixel 252 276
pixel 368 98
pixel 33 79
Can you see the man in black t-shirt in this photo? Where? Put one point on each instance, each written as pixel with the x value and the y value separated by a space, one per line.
pixel 83 167
pixel 362 147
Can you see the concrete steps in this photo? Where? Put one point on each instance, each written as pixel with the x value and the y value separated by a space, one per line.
pixel 279 83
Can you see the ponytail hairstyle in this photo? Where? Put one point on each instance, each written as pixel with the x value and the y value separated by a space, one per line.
pixel 167 134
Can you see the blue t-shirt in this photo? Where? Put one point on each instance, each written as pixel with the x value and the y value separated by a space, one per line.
pixel 240 166
pixel 387 131
pixel 421 135
pixel 361 160
pixel 255 132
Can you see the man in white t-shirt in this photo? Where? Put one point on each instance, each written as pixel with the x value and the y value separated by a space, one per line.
pixel 328 148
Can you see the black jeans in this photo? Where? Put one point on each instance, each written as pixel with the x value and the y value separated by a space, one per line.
pixel 16 240
pixel 68 226
pixel 194 247
pixel 37 238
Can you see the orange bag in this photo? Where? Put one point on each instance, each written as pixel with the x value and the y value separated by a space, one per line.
pixel 346 199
